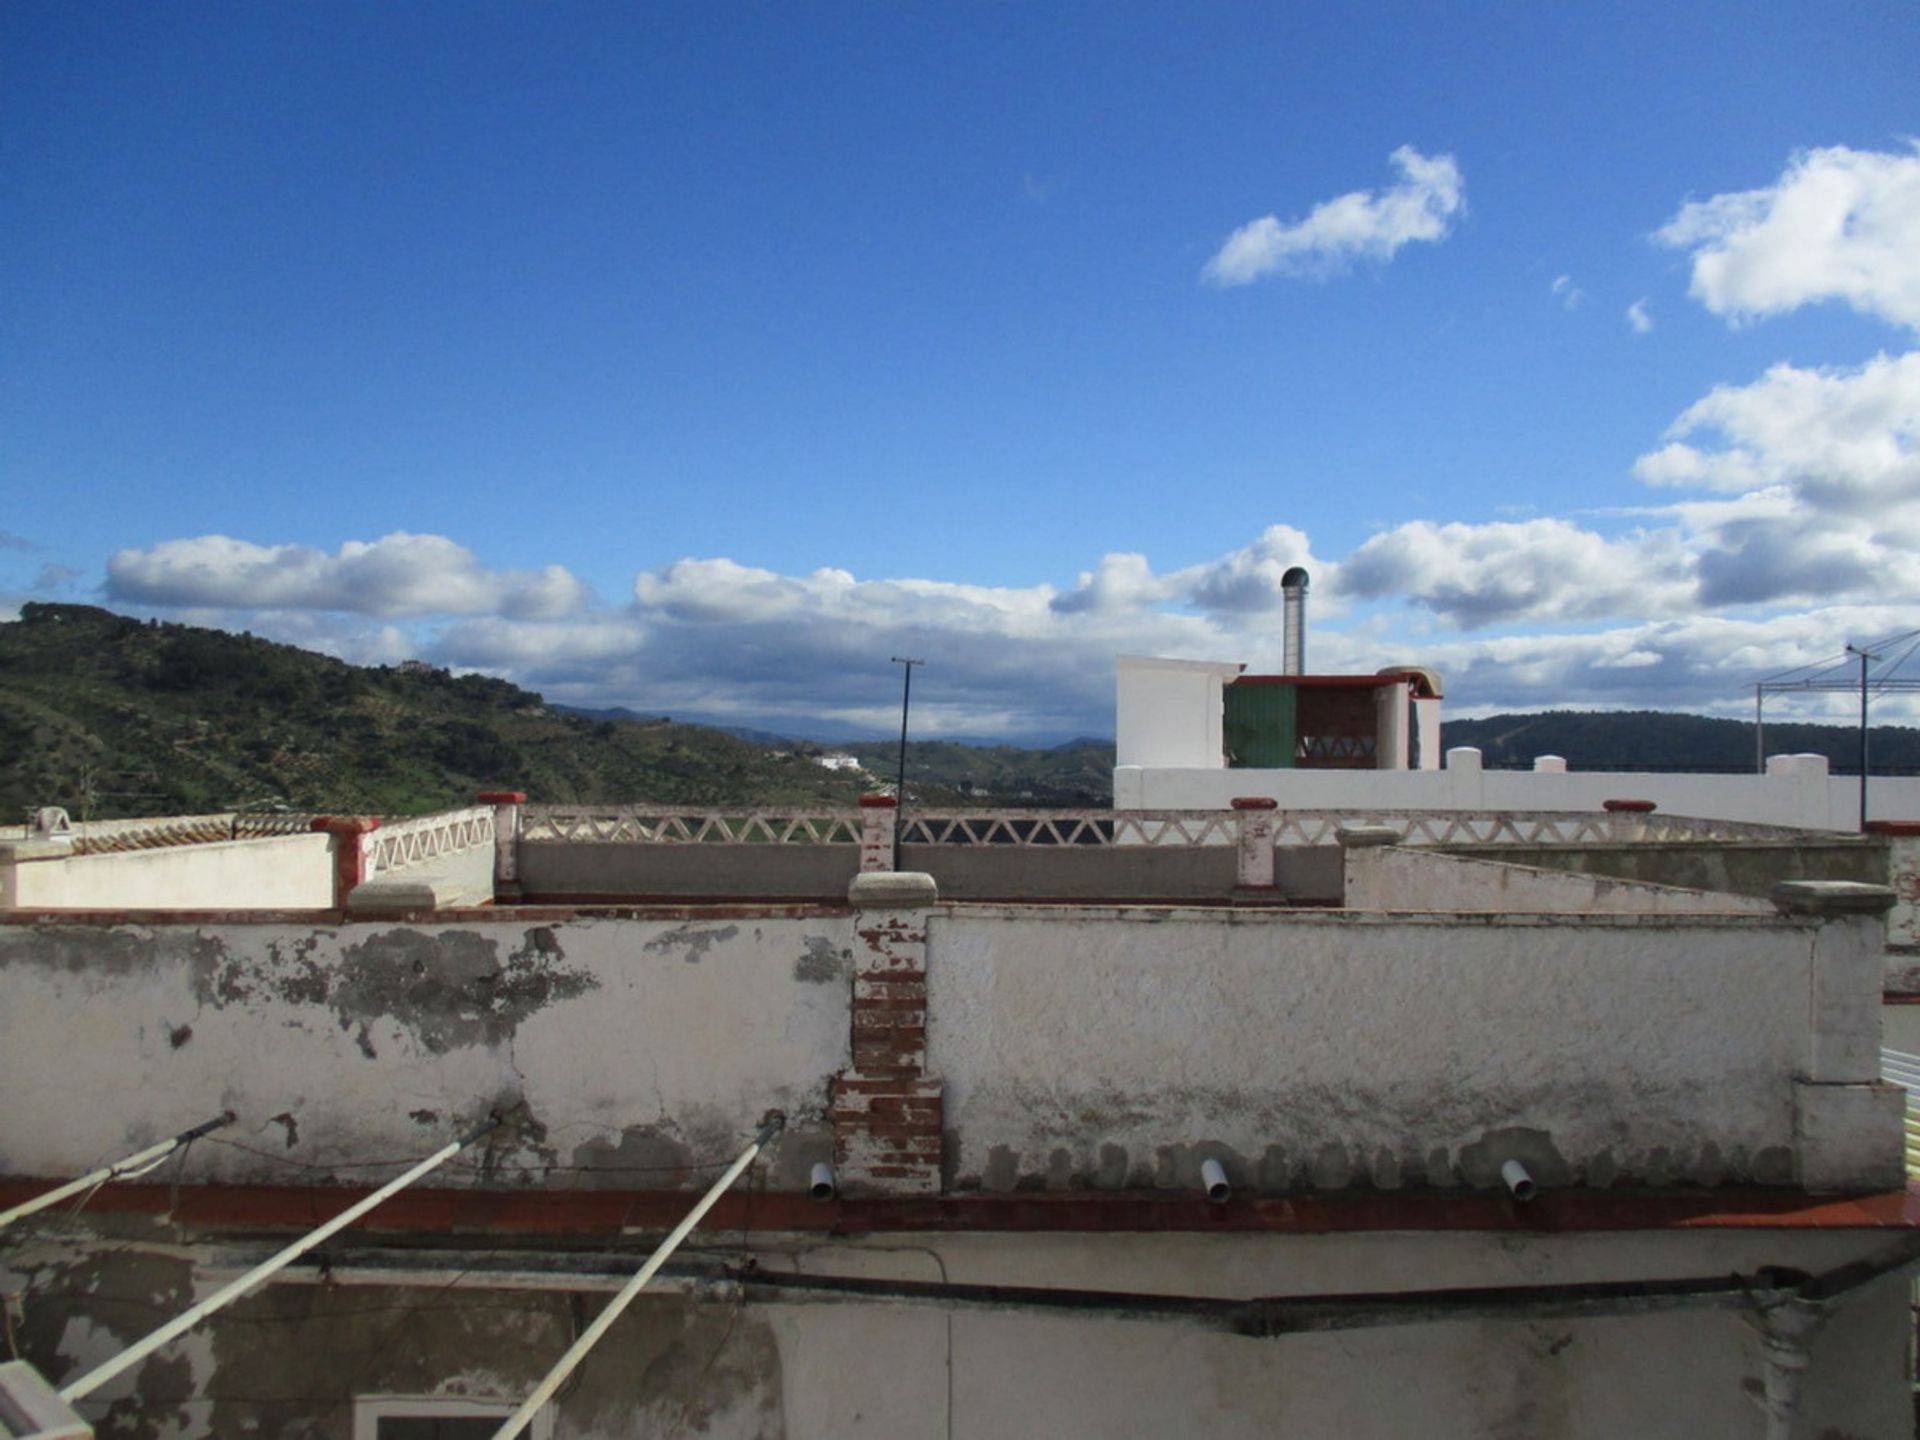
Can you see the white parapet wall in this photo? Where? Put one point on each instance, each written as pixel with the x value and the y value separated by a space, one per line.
pixel 637 1048
pixel 1080 1046
pixel 1393 877
pixel 1796 791
pixel 284 872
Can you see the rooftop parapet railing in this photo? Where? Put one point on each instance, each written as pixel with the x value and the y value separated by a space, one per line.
pixel 676 825
pixel 1037 829
pixel 426 838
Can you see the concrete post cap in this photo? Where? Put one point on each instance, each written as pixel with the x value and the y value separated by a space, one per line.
pixel 1831 897
pixel 1361 837
pixel 892 890
pixel 16 851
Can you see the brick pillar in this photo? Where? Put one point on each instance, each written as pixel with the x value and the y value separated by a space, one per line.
pixel 1255 814
pixel 878 816
pixel 506 839
pixel 350 843
pixel 886 1109
pixel 1627 819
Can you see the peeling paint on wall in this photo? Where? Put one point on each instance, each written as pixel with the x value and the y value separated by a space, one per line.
pixel 691 942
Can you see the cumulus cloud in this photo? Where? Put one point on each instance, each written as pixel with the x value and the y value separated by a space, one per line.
pixel 397 575
pixel 1360 225
pixel 1838 224
pixel 1569 294
pixel 1824 465
pixel 1639 316
pixel 1509 571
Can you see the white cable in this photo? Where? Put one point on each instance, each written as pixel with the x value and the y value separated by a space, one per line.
pixel 127 1169
pixel 591 1335
pixel 137 1352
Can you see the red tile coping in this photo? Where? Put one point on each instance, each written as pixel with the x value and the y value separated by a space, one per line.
pixel 530 1211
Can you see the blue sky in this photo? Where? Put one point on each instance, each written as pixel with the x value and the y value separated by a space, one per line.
pixel 700 357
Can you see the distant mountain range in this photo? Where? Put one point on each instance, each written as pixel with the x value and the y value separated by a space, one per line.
pixel 108 716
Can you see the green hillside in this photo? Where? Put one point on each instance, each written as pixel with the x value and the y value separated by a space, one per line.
pixel 111 716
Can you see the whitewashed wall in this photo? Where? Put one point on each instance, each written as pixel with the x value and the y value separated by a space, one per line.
pixel 1802 795
pixel 289 872
pixel 1116 1049
pixel 1393 877
pixel 1170 712
pixel 614 1043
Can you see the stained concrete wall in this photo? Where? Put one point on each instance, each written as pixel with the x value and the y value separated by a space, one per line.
pixel 1079 1046
pixel 558 869
pixel 1734 867
pixel 287 872
pixel 1392 877
pixel 290 1359
pixel 1309 1049
pixel 624 1051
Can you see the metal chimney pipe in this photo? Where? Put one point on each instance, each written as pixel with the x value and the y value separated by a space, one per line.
pixel 1293 586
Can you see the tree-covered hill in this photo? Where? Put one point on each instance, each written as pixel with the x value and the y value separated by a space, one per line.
pixel 108 716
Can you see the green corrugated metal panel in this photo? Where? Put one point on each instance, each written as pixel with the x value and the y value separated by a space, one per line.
pixel 1261 726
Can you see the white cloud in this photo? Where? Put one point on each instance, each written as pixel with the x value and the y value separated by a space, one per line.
pixel 397 575
pixel 1361 225
pixel 1838 224
pixel 1639 316
pixel 1847 437
pixel 1790 523
pixel 1511 571
pixel 1570 294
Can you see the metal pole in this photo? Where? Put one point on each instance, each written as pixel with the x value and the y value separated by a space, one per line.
pixel 590 1337
pixel 233 1290
pixel 1865 656
pixel 1759 731
pixel 900 784
pixel 132 1165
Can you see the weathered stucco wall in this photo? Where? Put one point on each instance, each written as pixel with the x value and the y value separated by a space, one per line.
pixel 1303 1049
pixel 1734 867
pixel 1392 877
pixel 290 872
pixel 625 1050
pixel 1079 1046
pixel 291 1359
pixel 554 870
